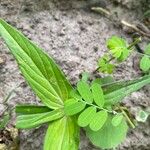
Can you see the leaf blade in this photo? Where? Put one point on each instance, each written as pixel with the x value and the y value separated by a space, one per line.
pixel 30 57
pixel 34 120
pixel 84 90
pixel 98 95
pixel 62 134
pixel 99 120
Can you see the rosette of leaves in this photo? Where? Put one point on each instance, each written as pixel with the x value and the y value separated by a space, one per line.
pixel 145 61
pixel 118 47
pixel 63 109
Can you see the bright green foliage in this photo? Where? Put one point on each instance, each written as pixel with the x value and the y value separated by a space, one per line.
pixel 104 65
pixel 34 120
pixel 62 134
pixel 31 109
pixel 84 90
pixel 108 136
pixel 86 116
pixel 93 104
pixel 49 84
pixel 115 92
pixel 98 120
pixel 117 119
pixel 98 95
pixel 118 48
pixel 142 116
pixel 145 61
pixel 72 107
pixel 43 75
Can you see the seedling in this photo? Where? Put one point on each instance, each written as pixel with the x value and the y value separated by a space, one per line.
pixel 93 105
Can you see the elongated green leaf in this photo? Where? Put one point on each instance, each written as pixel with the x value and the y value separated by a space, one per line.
pixel 34 120
pixel 98 95
pixel 31 109
pixel 72 107
pixel 117 119
pixel 41 72
pixel 98 120
pixel 114 93
pixel 86 116
pixel 108 136
pixel 62 134
pixel 84 90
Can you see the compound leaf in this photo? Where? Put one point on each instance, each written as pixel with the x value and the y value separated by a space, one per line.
pixel 98 95
pixel 86 116
pixel 34 120
pixel 108 136
pixel 41 72
pixel 98 120
pixel 62 134
pixel 118 47
pixel 72 107
pixel 85 92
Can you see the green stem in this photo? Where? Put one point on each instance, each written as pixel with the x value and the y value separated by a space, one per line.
pixel 109 111
pixel 128 119
pixel 137 40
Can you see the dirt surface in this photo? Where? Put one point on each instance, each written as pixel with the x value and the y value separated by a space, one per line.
pixel 75 37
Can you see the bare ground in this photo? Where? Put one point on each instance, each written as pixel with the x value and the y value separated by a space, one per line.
pixel 75 37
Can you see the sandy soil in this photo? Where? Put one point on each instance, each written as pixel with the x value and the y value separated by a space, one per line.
pixel 75 37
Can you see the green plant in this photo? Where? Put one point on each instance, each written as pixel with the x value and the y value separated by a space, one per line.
pixel 94 105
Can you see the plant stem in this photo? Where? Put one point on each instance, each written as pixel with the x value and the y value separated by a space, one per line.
pixel 128 119
pixel 137 40
pixel 109 111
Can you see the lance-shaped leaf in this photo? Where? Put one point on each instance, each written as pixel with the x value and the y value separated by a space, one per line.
pixel 115 92
pixel 86 116
pixel 31 109
pixel 98 95
pixel 98 120
pixel 117 119
pixel 85 92
pixel 108 136
pixel 34 120
pixel 72 107
pixel 62 134
pixel 41 72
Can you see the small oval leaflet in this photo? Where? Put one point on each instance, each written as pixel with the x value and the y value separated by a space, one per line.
pixel 99 120
pixel 98 95
pixel 84 90
pixel 117 119
pixel 72 107
pixel 86 116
